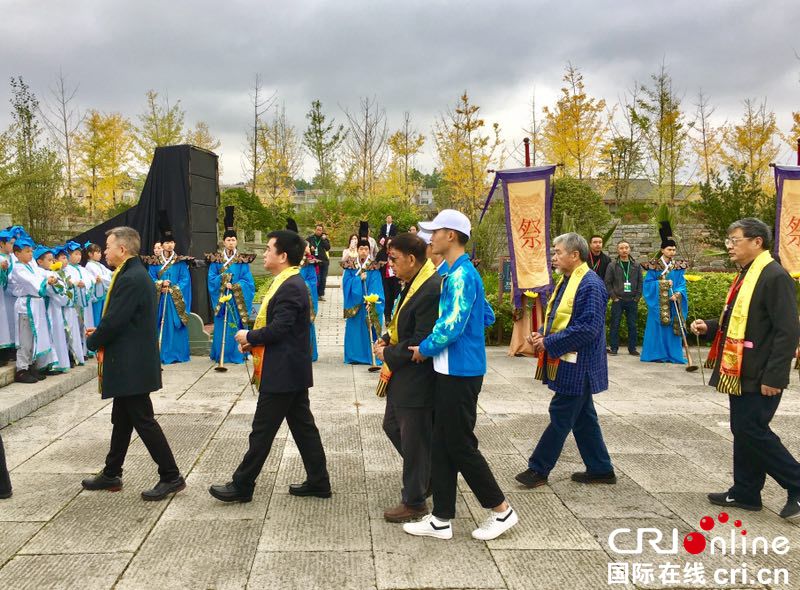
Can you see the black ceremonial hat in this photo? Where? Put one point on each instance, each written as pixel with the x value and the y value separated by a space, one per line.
pixel 363 234
pixel 230 232
pixel 291 225
pixel 665 231
pixel 164 226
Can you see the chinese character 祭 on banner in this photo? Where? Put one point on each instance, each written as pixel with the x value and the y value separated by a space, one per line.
pixel 527 193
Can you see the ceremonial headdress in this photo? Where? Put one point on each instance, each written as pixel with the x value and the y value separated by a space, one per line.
pixel 5 235
pixel 291 225
pixel 363 234
pixel 164 227
pixel 230 231
pixel 71 246
pixel 665 231
pixel 24 241
pixel 40 251
pixel 87 244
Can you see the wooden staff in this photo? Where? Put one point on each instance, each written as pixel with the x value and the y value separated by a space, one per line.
pixel 374 368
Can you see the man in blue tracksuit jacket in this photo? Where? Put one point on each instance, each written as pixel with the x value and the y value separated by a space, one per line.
pixel 459 358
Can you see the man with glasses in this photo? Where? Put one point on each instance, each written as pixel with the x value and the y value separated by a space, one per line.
pixel 753 344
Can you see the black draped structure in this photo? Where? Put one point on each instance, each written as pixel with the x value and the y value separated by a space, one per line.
pixel 183 180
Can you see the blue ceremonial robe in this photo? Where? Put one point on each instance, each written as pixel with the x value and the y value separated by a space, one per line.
pixel 357 340
pixel 661 344
pixel 175 336
pixel 309 274
pixel 241 276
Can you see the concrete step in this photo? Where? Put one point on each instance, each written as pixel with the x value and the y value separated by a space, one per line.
pixel 17 400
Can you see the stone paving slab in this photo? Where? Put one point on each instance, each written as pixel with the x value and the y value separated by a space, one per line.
pixel 301 570
pixel 57 572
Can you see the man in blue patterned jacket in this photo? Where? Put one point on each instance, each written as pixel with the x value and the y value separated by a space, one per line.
pixel 459 359
pixel 573 364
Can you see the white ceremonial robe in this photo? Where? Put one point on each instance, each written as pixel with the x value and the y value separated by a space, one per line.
pixel 29 287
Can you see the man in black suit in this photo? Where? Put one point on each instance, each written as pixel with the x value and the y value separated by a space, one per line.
pixel 408 420
pixel 287 375
pixel 388 229
pixel 751 356
pixel 129 367
pixel 320 247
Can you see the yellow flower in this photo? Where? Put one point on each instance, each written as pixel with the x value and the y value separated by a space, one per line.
pixel 225 298
pixel 796 275
pixel 55 266
pixel 372 298
pixel 531 294
pixel 693 278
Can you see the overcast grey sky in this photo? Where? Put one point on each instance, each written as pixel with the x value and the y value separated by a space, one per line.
pixel 411 55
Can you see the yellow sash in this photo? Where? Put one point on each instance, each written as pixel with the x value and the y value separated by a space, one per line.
pixel 730 369
pixel 426 272
pixel 261 318
pixel 561 320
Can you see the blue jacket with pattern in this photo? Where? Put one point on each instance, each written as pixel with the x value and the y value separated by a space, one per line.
pixel 457 342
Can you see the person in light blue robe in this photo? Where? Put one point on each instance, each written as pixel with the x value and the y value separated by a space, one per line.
pixel 170 273
pixel 361 277
pixel 229 274
pixel 664 291
pixel 308 270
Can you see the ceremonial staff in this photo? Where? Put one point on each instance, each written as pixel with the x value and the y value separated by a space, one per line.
pixel 374 368
pixel 221 367
pixel 163 315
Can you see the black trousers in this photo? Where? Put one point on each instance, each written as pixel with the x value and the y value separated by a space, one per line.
pixel 455 446
pixel 757 450
pixel 411 431
pixel 271 410
pixel 322 277
pixel 5 479
pixel 136 412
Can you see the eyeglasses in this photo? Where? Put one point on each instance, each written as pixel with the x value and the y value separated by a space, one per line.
pixel 731 242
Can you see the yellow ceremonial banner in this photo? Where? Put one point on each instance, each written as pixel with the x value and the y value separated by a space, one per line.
pixel 527 210
pixel 789 225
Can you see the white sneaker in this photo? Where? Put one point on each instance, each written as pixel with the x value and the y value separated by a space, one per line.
pixel 495 525
pixel 430 526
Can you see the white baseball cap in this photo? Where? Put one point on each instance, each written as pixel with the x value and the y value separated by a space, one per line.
pixel 425 236
pixel 448 219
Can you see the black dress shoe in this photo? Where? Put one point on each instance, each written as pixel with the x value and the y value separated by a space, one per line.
pixel 726 499
pixel 306 489
pixel 633 352
pixel 164 489
pixel 586 477
pixel 229 493
pixel 5 495
pixel 39 375
pixel 25 377
pixel 102 482
pixel 790 511
pixel 531 479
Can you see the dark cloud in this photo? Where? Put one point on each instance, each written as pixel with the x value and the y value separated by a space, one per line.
pixel 415 56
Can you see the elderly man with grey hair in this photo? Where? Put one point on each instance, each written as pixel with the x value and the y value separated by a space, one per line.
pixel 754 342
pixel 571 351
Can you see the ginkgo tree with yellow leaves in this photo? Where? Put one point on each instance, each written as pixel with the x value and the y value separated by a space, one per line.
pixel 753 143
pixel 404 145
pixel 465 150
pixel 574 128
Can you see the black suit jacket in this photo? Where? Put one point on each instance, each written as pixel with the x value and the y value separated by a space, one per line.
pixel 384 234
pixel 286 339
pixel 772 327
pixel 128 333
pixel 412 384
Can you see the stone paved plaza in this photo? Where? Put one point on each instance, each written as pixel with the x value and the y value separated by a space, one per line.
pixel 668 436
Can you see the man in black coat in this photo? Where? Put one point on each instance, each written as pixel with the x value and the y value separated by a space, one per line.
pixel 320 247
pixel 388 229
pixel 129 367
pixel 754 368
pixel 408 420
pixel 286 376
